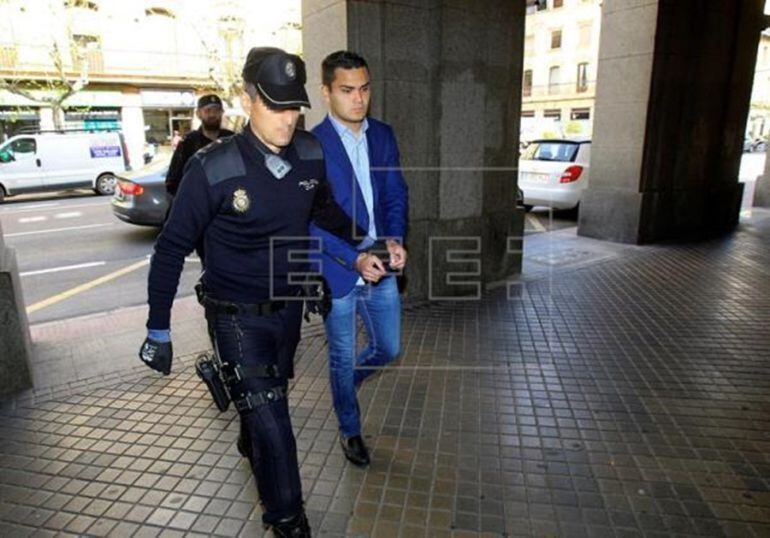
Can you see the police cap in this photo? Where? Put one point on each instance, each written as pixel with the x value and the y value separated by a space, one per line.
pixel 278 76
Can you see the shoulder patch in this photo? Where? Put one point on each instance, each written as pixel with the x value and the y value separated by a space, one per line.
pixel 221 160
pixel 308 146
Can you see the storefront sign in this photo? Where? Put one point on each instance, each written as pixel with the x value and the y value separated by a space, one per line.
pixel 167 99
pixel 83 98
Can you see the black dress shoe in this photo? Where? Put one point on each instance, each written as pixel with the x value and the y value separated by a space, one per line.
pixel 355 450
pixel 295 526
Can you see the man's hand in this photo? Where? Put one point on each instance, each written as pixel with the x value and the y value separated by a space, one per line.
pixel 370 267
pixel 157 352
pixel 397 255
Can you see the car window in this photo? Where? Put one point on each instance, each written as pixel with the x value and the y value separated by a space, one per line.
pixel 551 151
pixel 23 148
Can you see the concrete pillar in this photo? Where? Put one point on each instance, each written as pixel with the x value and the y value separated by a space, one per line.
pixel 15 342
pixel 447 77
pixel 46 118
pixel 673 89
pixel 132 125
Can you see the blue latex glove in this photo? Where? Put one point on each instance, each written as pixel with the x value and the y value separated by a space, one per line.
pixel 162 336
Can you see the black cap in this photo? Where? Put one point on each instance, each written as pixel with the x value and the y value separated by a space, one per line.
pixel 209 99
pixel 278 76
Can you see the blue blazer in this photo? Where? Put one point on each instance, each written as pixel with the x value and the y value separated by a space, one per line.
pixel 390 195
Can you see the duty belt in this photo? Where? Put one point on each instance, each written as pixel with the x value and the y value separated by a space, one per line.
pixel 258 309
pixel 239 373
pixel 253 400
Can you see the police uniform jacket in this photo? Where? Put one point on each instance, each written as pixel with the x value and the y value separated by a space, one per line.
pixel 243 212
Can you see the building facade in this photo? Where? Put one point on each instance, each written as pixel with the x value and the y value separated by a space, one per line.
pixel 134 66
pixel 561 50
pixel 758 124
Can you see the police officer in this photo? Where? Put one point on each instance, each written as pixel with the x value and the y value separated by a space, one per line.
pixel 251 197
pixel 209 112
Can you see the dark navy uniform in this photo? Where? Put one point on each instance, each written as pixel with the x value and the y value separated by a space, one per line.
pixel 250 221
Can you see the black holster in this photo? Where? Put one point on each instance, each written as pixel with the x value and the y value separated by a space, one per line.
pixel 208 370
pixel 318 297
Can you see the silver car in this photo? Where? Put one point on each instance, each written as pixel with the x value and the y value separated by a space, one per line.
pixel 554 172
pixel 142 199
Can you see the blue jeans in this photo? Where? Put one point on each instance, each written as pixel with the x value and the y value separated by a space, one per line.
pixel 380 309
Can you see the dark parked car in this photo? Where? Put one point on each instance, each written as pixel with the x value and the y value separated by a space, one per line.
pixel 142 200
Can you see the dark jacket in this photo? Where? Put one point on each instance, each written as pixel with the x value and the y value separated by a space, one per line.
pixel 192 142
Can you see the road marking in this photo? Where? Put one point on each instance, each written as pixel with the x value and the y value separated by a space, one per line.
pixel 85 287
pixel 535 223
pixel 52 230
pixel 70 215
pixel 32 206
pixel 30 209
pixel 62 268
pixel 25 220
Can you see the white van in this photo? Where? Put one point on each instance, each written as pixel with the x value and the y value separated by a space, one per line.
pixel 58 160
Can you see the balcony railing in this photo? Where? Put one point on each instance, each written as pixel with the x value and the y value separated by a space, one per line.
pixel 105 63
pixel 559 91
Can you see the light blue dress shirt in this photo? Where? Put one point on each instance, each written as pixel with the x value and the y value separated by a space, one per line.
pixel 357 149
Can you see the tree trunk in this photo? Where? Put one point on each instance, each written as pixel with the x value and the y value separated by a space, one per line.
pixel 58 116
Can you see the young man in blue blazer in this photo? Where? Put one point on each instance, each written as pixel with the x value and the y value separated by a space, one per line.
pixel 363 169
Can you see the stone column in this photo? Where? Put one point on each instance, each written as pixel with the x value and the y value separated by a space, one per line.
pixel 15 342
pixel 324 30
pixel 673 89
pixel 132 121
pixel 447 77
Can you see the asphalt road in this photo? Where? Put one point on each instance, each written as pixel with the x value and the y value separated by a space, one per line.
pixel 76 258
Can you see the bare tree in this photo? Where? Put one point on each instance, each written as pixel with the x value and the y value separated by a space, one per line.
pixel 221 38
pixel 59 85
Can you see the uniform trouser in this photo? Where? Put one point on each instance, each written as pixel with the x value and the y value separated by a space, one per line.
pixel 248 340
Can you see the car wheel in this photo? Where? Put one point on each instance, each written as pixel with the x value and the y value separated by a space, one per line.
pixel 105 184
pixel 2 194
pixel 573 212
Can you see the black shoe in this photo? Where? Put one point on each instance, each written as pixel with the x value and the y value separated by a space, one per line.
pixel 295 526
pixel 355 450
pixel 244 447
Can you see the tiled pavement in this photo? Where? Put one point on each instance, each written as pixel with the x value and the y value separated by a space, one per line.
pixel 625 397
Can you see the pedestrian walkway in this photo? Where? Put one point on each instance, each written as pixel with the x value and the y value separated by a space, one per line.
pixel 619 391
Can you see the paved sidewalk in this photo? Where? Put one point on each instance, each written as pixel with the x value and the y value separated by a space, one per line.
pixel 622 391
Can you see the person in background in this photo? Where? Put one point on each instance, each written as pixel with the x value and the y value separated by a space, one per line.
pixel 210 113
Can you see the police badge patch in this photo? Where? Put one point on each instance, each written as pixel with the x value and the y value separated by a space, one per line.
pixel 241 202
pixel 290 70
